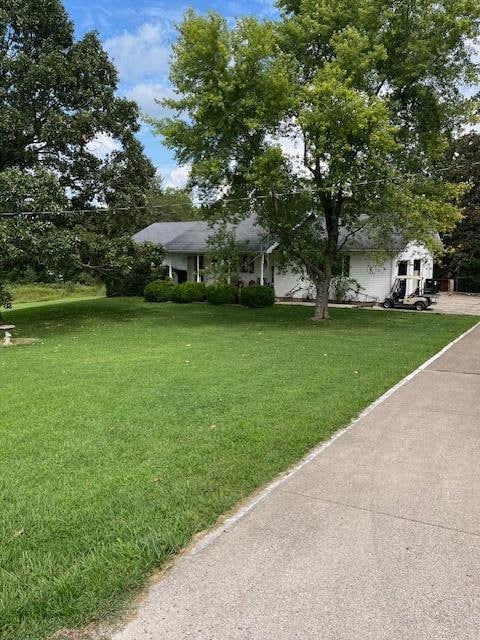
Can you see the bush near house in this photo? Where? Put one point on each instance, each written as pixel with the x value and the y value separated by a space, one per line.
pixel 132 283
pixel 343 289
pixel 159 291
pixel 222 294
pixel 257 296
pixel 190 292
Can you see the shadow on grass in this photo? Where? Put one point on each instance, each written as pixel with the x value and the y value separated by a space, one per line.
pixel 60 318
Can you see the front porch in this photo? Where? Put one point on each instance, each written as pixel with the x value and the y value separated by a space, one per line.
pixel 199 267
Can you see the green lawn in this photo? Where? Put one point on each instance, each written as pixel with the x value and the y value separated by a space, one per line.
pixel 40 292
pixel 128 427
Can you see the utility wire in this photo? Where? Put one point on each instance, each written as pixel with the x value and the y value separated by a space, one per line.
pixel 225 200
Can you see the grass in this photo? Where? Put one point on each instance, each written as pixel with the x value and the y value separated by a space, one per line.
pixel 128 427
pixel 40 292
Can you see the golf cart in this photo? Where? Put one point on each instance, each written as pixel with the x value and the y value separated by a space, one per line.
pixel 412 292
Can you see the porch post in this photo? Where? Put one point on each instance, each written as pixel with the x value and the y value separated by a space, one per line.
pixel 198 268
pixel 262 264
pixel 170 270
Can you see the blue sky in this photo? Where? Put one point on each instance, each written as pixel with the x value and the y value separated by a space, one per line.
pixel 138 35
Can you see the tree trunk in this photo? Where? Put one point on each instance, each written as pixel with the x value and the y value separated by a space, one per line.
pixel 321 302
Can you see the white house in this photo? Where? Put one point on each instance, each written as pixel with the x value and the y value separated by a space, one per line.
pixel 187 247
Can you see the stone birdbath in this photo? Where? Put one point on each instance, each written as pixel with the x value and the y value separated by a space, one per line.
pixel 7 328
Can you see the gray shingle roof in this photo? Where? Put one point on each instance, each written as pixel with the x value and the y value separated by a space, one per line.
pixel 192 237
pixel 161 232
pixel 186 237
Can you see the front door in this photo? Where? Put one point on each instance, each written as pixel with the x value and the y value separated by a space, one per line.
pixel 181 275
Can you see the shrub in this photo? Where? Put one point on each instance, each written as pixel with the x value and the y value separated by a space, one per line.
pixel 159 291
pixel 190 292
pixel 222 294
pixel 140 265
pixel 343 289
pixel 5 297
pixel 134 282
pixel 257 296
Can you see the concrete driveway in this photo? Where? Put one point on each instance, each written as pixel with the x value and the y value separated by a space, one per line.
pixel 458 303
pixel 448 303
pixel 376 537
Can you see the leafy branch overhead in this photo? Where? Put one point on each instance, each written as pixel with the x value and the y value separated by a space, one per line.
pixel 366 93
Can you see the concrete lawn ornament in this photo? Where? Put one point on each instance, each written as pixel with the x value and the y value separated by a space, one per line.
pixel 7 328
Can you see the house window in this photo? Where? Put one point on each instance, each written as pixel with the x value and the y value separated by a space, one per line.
pixel 247 263
pixel 341 266
pixel 417 266
pixel 402 268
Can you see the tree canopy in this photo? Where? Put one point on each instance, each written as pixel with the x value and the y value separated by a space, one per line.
pixel 68 143
pixel 462 258
pixel 169 204
pixel 367 91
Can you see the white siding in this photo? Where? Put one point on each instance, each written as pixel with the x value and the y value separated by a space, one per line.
pixel 413 252
pixel 375 279
pixel 291 285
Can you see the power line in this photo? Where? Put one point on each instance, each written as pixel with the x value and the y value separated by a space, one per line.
pixel 225 200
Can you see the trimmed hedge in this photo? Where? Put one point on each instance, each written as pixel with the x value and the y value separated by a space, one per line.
pixel 159 291
pixel 257 296
pixel 190 292
pixel 222 294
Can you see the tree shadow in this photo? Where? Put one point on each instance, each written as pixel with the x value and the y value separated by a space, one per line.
pixel 61 318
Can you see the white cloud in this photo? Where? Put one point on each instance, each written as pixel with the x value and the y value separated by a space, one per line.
pixel 102 145
pixel 142 54
pixel 176 178
pixel 145 94
pixel 164 13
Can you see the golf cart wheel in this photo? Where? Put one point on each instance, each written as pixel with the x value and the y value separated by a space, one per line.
pixel 420 306
pixel 388 303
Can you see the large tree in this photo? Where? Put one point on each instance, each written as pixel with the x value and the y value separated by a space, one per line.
pixel 462 257
pixel 169 204
pixel 67 143
pixel 368 90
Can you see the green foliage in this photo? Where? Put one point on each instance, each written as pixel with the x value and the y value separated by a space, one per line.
pixel 5 297
pixel 190 292
pixel 168 205
pixel 222 294
pixel 159 291
pixel 140 264
pixel 257 296
pixel 367 90
pixel 462 255
pixel 68 142
pixel 342 286
pixel 223 255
